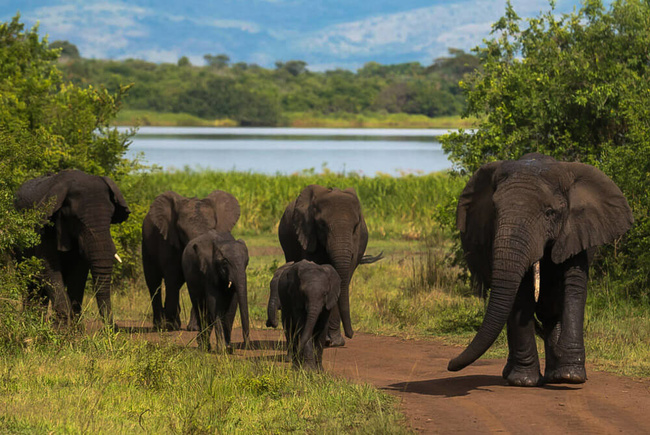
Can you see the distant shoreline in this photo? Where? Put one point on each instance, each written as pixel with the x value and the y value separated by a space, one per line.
pixel 302 120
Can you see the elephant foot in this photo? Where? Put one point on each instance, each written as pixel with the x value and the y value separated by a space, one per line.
pixel 335 340
pixel 522 375
pixel 192 327
pixel 571 374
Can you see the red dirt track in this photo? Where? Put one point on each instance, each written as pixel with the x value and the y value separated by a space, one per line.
pixel 474 400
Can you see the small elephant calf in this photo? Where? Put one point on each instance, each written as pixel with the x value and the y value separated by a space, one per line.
pixel 306 292
pixel 214 265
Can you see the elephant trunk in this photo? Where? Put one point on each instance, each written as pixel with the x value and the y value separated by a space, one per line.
pixel 99 250
pixel 510 262
pixel 308 331
pixel 242 294
pixel 342 262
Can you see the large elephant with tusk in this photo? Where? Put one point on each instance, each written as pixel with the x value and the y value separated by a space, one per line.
pixel 79 210
pixel 536 220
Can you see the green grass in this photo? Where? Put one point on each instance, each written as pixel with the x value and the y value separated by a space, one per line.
pixel 109 383
pixel 147 117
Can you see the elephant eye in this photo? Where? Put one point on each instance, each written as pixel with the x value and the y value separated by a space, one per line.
pixel 549 212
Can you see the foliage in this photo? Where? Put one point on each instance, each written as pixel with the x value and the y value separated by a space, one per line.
pixel 45 126
pixel 577 87
pixel 252 95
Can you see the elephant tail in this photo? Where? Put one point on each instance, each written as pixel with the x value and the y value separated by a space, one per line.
pixel 367 259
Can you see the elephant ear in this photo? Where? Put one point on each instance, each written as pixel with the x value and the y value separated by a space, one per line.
pixel 475 217
pixel 226 209
pixel 598 212
pixel 334 287
pixel 122 210
pixel 163 213
pixel 49 191
pixel 303 216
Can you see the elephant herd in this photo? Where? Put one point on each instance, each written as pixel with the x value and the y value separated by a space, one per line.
pixel 529 229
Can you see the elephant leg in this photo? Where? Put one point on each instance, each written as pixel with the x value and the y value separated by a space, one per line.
pixel 229 318
pixel 75 275
pixel 334 337
pixel 193 325
pixel 173 282
pixel 565 349
pixel 522 368
pixel 153 277
pixel 53 286
pixel 320 336
pixel 203 322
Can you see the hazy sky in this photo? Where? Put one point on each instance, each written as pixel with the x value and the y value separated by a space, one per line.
pixel 326 34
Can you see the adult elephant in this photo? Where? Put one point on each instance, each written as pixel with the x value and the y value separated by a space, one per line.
pixel 214 265
pixel 80 209
pixel 172 221
pixel 326 226
pixel 514 214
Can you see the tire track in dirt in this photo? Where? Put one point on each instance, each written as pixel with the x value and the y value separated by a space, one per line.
pixel 475 400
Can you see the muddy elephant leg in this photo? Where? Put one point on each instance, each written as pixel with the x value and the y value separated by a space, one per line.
pixel 320 337
pixel 522 368
pixel 75 275
pixel 173 283
pixel 54 288
pixel 153 276
pixel 229 318
pixel 565 349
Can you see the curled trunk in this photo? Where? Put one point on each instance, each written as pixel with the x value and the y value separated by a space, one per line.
pixel 509 266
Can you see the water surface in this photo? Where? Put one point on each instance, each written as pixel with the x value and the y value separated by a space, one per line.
pixel 291 150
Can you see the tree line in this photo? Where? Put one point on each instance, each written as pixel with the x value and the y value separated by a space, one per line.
pixel 253 95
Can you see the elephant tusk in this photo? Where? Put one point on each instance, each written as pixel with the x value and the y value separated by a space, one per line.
pixel 117 257
pixel 229 284
pixel 536 279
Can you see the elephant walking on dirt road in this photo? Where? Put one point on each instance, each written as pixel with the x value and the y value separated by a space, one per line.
pixel 326 226
pixel 170 224
pixel 513 215
pixel 307 292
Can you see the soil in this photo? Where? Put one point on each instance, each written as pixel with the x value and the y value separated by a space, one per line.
pixel 475 400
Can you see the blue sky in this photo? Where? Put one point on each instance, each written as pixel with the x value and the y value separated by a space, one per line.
pixel 327 34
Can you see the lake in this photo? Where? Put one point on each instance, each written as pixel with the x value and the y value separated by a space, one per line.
pixel 290 150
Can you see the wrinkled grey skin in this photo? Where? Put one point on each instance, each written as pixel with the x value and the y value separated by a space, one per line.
pixel 306 292
pixel 214 266
pixel 170 224
pixel 512 214
pixel 80 210
pixel 326 226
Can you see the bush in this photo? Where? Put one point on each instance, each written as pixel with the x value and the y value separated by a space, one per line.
pixel 577 87
pixel 45 126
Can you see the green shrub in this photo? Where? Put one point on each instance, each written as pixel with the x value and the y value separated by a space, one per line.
pixel 577 87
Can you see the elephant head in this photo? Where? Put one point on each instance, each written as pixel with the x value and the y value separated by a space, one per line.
pixel 223 261
pixel 330 228
pixel 513 213
pixel 81 208
pixel 180 219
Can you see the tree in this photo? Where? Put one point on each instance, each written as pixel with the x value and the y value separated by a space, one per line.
pixel 576 87
pixel 219 61
pixel 45 126
pixel 68 50
pixel 183 61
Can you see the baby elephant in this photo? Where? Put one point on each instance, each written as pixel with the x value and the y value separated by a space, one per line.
pixel 214 266
pixel 306 292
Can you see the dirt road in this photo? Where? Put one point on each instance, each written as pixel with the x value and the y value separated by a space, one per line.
pixel 477 399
